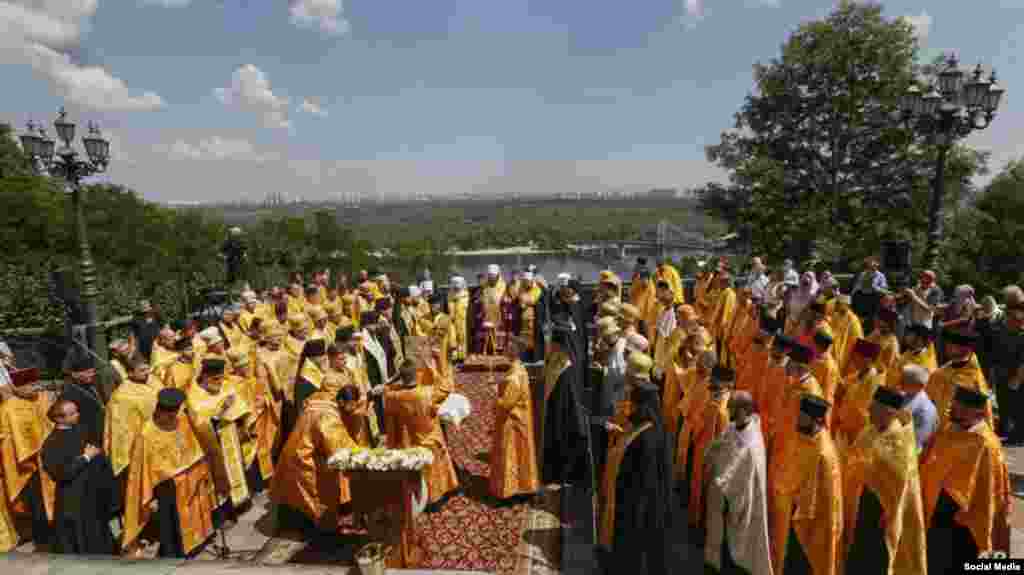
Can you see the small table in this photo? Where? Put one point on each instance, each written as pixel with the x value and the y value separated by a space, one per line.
pixel 387 498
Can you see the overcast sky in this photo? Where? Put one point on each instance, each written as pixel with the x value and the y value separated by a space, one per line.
pixel 208 99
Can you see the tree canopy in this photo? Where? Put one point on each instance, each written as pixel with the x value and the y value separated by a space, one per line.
pixel 815 152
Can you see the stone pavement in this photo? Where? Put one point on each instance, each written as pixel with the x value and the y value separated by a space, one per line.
pixel 44 564
pixel 1015 464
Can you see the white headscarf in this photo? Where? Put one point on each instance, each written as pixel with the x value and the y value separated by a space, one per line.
pixel 414 291
pixel 803 295
pixel 493 270
pixel 458 282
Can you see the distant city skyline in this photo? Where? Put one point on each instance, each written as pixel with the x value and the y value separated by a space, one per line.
pixel 231 100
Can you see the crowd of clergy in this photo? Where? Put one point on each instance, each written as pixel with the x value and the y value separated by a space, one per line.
pixel 778 423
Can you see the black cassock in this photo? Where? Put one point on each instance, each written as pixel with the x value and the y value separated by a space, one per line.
pixel 643 505
pixel 375 376
pixel 86 498
pixel 868 553
pixel 566 456
pixel 949 543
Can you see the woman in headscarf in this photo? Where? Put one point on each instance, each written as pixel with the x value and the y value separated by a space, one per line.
pixel 958 315
pixel 800 298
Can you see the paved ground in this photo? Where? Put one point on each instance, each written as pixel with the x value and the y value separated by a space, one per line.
pixel 1015 463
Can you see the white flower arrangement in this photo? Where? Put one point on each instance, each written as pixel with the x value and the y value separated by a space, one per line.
pixel 380 459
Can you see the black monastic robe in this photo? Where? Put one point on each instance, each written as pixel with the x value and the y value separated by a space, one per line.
pixel 949 543
pixel 565 435
pixel 86 498
pixel 643 505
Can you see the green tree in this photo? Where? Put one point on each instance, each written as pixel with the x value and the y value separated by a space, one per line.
pixel 987 235
pixel 815 153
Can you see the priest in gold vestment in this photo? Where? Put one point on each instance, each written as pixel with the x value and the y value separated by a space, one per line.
pixel 182 372
pixel 807 507
pixel 965 487
pixel 513 457
pixel 884 518
pixel 219 413
pixel 962 370
pixel 918 350
pixel 846 330
pixel 308 493
pixel 168 476
pixel 130 408
pixel 24 427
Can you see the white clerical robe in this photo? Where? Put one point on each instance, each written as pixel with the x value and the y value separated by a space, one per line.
pixel 738 467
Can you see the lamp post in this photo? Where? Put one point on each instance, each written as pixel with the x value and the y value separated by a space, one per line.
pixel 64 163
pixel 948 112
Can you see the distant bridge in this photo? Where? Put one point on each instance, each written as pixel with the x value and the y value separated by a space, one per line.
pixel 667 237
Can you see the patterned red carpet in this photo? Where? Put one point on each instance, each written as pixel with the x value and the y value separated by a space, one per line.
pixel 471 531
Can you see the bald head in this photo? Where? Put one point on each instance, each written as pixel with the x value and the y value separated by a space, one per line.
pixel 741 407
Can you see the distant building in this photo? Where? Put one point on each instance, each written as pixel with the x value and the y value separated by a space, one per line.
pixel 663 194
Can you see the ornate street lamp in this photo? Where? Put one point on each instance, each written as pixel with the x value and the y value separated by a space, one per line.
pixel 947 112
pixel 65 164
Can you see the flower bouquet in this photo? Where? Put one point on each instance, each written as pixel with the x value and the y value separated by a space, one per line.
pixel 455 409
pixel 381 459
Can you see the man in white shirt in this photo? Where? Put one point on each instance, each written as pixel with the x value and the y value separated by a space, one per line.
pixel 757 279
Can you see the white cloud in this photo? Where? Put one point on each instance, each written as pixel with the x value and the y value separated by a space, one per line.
pixel 922 24
pixel 250 90
pixel 167 3
pixel 312 106
pixel 695 8
pixel 217 148
pixel 326 14
pixel 39 34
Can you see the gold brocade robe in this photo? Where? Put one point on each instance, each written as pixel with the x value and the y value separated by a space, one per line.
pixel 692 409
pixel 282 366
pixel 441 478
pixel 513 458
pixel 970 467
pixel 886 463
pixel 355 370
pixel 528 314
pixel 943 383
pixel 24 428
pixel 851 413
pixel 130 407
pixel 222 446
pixel 741 331
pixel 890 349
pixel 750 370
pixel 925 358
pixel 490 299
pixel 768 391
pixel 714 422
pixel 458 307
pixel 161 359
pixel 265 418
pixel 787 411
pixel 294 346
pixel 234 335
pixel 722 316
pixel 177 456
pixel 179 375
pixel 826 371
pixel 846 330
pixel 303 481
pixel 296 305
pixel 809 500
pixel 643 295
pixel 669 274
pixel 411 421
